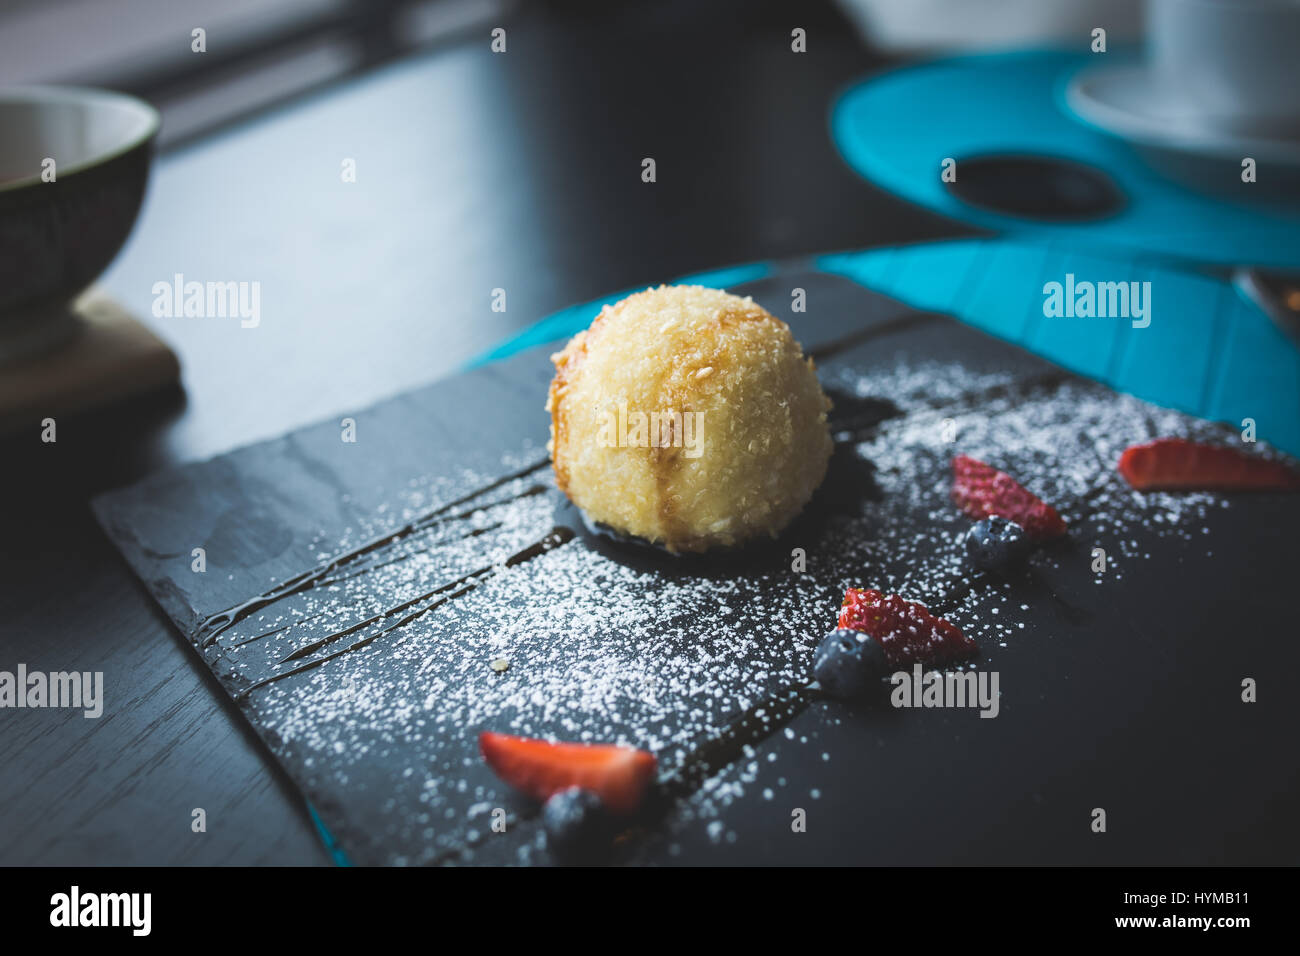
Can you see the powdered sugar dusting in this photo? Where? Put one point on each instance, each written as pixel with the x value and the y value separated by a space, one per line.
pixel 654 653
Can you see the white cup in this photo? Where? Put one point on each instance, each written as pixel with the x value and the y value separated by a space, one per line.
pixel 1235 63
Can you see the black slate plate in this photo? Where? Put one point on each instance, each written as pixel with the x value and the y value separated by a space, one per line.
pixel 355 592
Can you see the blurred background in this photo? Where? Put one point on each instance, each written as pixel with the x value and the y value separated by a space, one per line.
pixel 269 50
pixel 263 51
pixel 476 170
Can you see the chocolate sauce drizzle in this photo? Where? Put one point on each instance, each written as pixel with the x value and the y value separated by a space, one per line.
pixel 451 590
pixel 212 627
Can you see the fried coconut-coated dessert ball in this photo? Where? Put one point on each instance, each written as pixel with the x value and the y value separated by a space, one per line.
pixel 688 417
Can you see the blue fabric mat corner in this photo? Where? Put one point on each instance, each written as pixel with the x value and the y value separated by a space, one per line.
pixel 895 129
pixel 1207 351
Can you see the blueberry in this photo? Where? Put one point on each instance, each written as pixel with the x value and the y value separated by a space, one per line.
pixel 995 543
pixel 577 827
pixel 849 663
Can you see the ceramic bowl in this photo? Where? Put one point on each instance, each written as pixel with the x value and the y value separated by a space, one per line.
pixel 73 169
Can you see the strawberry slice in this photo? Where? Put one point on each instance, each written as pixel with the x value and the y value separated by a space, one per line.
pixel 981 490
pixel 1175 463
pixel 906 631
pixel 539 768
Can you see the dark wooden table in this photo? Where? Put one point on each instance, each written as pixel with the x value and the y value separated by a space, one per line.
pixel 475 171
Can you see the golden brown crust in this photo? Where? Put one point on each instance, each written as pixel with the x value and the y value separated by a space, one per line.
pixel 764 442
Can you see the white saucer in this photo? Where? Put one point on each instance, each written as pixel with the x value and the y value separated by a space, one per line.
pixel 1129 102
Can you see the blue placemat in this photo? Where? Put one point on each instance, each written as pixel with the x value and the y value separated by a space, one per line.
pixel 1206 350
pixel 896 129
